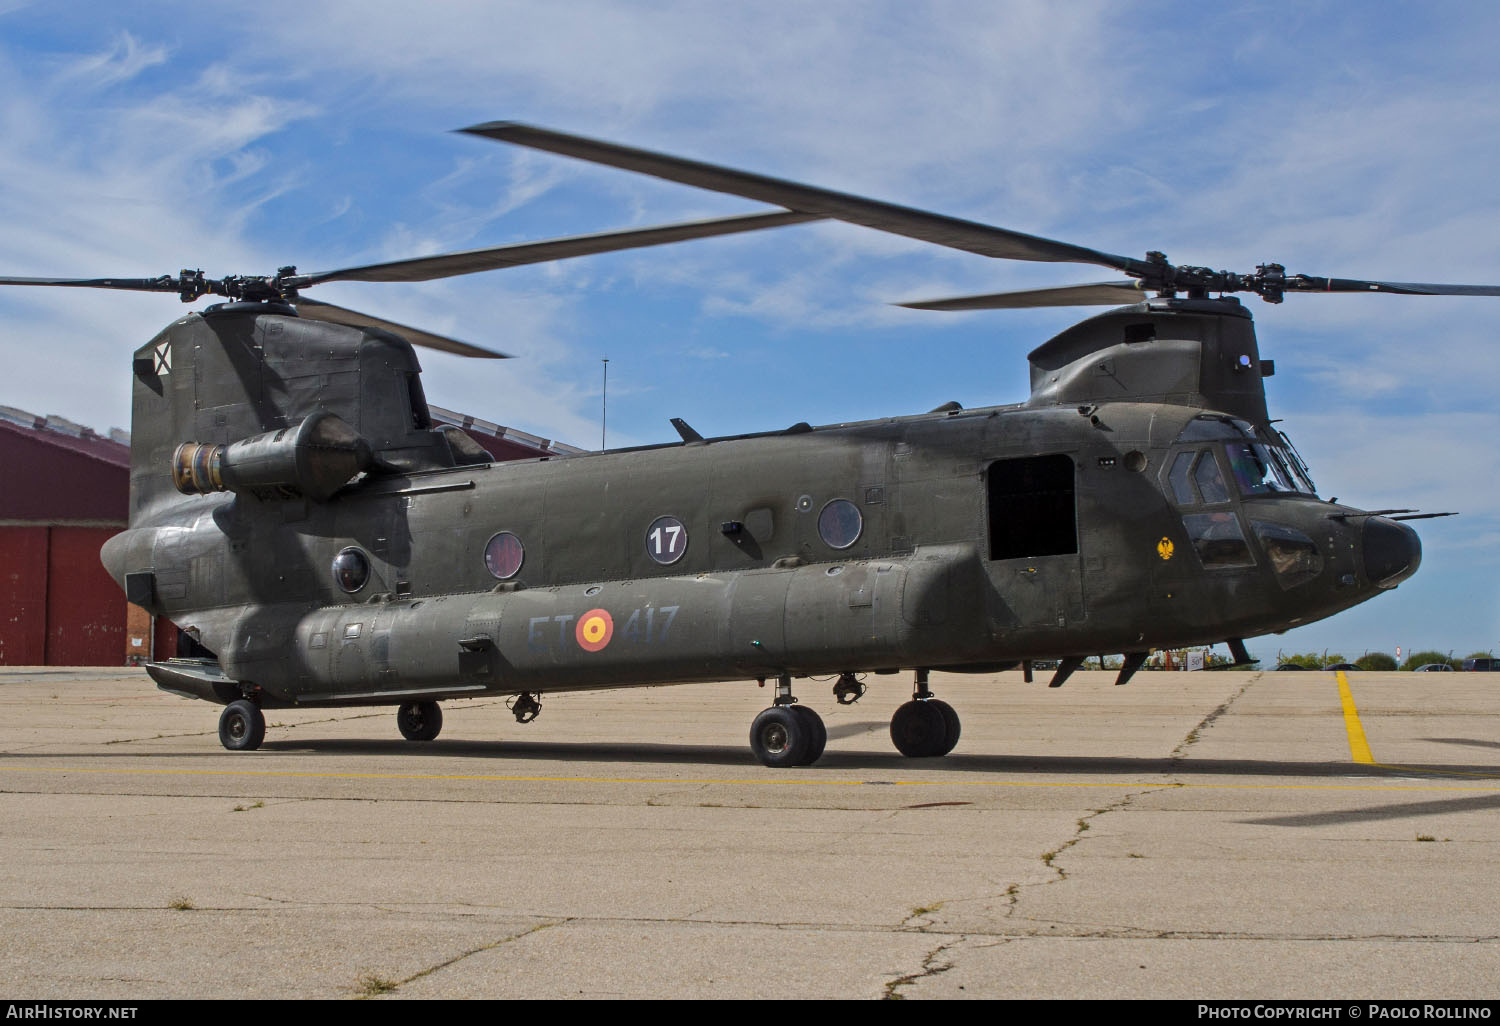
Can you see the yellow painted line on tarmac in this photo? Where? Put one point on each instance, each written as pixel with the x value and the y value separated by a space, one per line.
pixel 1359 748
pixel 778 782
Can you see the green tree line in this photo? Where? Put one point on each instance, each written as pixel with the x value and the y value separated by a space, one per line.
pixel 1376 660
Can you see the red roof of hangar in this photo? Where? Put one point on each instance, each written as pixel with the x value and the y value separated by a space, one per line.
pixel 53 471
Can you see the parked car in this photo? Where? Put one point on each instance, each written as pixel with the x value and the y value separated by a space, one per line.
pixel 1346 667
pixel 1290 666
pixel 1481 664
pixel 1434 668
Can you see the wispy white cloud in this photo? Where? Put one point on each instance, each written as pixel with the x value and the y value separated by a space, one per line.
pixel 125 59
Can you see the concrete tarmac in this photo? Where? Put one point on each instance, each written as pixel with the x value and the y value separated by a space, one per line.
pixel 1203 835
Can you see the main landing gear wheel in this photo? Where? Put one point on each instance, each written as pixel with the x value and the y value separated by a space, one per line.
pixel 788 735
pixel 924 729
pixel 242 726
pixel 420 721
pixel 818 734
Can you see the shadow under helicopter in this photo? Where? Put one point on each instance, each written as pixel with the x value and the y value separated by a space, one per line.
pixel 1472 742
pixel 893 763
pixel 1438 807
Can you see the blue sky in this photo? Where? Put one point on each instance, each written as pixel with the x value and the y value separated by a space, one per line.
pixel 1337 139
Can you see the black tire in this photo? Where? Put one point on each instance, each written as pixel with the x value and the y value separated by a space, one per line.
pixel 779 737
pixel 817 734
pixel 242 726
pixel 920 730
pixel 950 721
pixel 420 721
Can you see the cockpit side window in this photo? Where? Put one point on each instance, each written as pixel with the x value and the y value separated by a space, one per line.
pixel 1195 478
pixel 1180 478
pixel 1293 555
pixel 1218 539
pixel 1197 484
pixel 1210 481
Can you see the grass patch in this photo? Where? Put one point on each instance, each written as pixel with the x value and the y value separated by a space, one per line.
pixel 182 904
pixel 371 985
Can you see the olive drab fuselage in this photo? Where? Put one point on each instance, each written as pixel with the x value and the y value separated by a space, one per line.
pixel 336 549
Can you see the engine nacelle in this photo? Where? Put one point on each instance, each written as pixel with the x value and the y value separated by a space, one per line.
pixel 313 458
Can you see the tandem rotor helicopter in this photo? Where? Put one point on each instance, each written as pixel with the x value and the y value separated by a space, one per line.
pixel 295 509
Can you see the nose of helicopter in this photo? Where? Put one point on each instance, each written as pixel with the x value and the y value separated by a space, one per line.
pixel 1392 552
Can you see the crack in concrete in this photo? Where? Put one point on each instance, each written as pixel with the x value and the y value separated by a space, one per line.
pixel 1012 896
pixel 1082 825
pixel 161 737
pixel 397 984
pixel 930 967
pixel 1070 931
pixel 1180 752
pixel 659 800
pixel 1049 858
pixel 921 912
pixel 1139 933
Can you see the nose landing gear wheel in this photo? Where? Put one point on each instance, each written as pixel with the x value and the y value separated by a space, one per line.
pixel 925 729
pixel 419 721
pixel 242 726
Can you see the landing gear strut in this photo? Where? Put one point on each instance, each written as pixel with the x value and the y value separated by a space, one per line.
pixel 787 734
pixel 242 726
pixel 419 721
pixel 926 726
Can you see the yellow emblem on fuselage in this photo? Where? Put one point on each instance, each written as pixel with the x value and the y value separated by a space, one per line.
pixel 1164 548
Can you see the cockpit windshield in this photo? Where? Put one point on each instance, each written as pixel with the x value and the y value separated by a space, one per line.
pixel 1294 462
pixel 1255 471
pixel 1263 460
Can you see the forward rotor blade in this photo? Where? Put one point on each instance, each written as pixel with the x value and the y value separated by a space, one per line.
pixel 956 233
pixel 1305 283
pixel 446 265
pixel 165 283
pixel 1104 293
pixel 318 311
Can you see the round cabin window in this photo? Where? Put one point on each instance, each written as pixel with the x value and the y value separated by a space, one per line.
pixel 351 570
pixel 840 523
pixel 503 555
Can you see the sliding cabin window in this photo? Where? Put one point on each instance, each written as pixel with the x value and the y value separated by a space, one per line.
pixel 1032 508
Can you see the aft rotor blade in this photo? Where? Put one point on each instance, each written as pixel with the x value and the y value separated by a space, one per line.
pixel 1306 283
pixel 446 265
pixel 954 232
pixel 1104 293
pixel 318 311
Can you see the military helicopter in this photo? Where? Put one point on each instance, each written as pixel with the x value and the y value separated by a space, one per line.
pixel 294 508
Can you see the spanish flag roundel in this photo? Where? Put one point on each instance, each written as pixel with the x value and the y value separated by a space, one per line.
pixel 595 628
